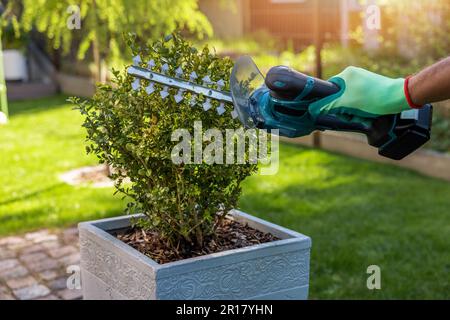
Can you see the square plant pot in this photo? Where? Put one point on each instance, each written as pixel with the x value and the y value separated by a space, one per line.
pixel 111 269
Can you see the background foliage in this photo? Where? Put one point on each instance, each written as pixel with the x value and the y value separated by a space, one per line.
pixel 418 29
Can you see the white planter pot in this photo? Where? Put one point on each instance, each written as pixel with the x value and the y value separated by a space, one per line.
pixel 15 65
pixel 111 269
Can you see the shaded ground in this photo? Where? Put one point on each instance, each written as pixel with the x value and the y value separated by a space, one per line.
pixel 358 213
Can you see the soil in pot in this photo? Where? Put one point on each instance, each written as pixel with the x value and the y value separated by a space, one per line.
pixel 228 236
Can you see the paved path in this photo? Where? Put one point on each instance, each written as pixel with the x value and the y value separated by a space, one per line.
pixel 34 265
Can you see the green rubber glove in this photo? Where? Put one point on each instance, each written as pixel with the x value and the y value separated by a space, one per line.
pixel 363 94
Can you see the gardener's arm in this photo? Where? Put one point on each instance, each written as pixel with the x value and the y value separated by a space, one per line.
pixel 431 84
pixel 366 94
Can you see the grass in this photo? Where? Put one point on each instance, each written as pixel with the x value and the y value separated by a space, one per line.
pixel 357 213
pixel 44 139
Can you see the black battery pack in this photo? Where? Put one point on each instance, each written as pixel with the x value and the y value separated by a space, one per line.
pixel 397 137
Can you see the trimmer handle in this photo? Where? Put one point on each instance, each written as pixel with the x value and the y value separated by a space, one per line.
pixel 395 136
pixel 287 84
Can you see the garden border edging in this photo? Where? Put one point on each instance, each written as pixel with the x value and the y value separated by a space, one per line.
pixel 427 162
pixel 76 85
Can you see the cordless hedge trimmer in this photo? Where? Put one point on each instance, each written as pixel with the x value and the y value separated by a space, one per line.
pixel 281 100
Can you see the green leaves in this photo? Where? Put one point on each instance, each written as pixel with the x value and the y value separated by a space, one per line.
pixel 131 131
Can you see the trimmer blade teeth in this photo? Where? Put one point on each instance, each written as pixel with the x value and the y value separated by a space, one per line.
pixel 193 101
pixel 137 60
pixel 221 109
pixel 220 84
pixel 165 92
pixel 165 78
pixel 136 84
pixel 206 80
pixel 234 114
pixel 193 76
pixel 151 64
pixel 207 104
pixel 150 88
pixel 179 72
pixel 179 96
pixel 164 68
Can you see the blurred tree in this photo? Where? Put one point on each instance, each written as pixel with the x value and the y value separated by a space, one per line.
pixel 413 29
pixel 102 23
pixel 418 28
pixel 3 97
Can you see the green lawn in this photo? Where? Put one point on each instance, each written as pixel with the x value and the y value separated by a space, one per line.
pixel 43 139
pixel 357 213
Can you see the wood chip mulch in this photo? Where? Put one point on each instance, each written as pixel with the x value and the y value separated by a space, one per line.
pixel 229 235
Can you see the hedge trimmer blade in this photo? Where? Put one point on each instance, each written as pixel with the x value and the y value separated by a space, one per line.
pixel 209 89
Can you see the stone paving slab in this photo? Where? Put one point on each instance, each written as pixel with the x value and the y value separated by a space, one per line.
pixel 33 266
pixel 18 283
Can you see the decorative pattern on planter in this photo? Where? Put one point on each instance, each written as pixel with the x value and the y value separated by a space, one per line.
pixel 241 280
pixel 120 275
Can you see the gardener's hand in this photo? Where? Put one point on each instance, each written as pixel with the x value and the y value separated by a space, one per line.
pixel 363 94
